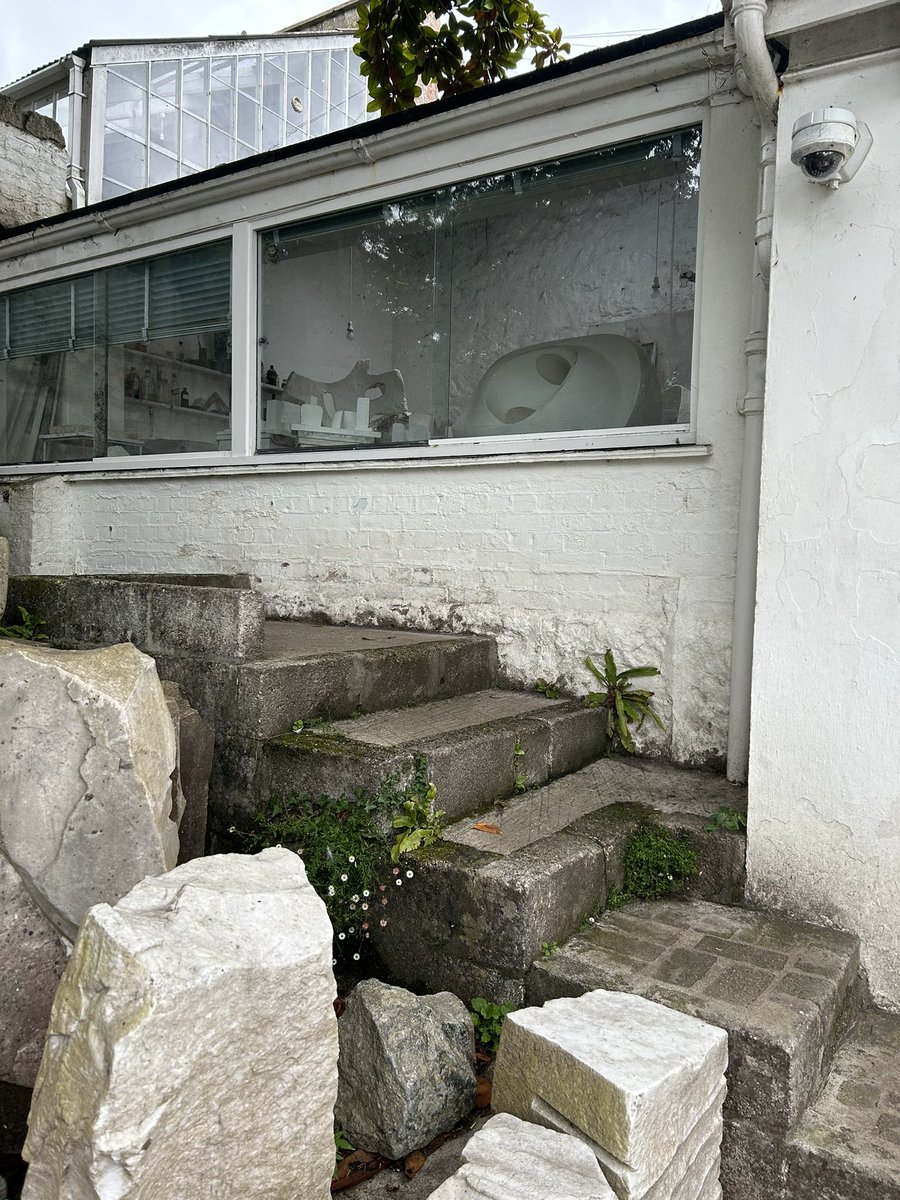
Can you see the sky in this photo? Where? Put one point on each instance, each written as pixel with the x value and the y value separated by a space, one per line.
pixel 29 40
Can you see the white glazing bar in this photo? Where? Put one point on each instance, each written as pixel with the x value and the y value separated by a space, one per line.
pixel 244 256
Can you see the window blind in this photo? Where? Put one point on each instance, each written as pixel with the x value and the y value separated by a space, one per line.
pixel 48 319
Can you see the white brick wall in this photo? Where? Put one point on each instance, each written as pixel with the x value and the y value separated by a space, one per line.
pixel 32 177
pixel 556 559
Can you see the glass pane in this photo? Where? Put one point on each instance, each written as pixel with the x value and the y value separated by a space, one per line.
pixel 353 352
pixel 248 120
pixel 162 168
pixel 62 116
pixel 273 130
pixel 164 77
pixel 552 331
pixel 193 141
pixel 111 189
pixel 163 124
pixel 134 72
pixel 195 86
pixel 126 107
pixel 221 148
pixel 318 100
pixel 45 107
pixel 273 85
pixel 242 150
pixel 338 90
pixel 47 407
pixel 222 107
pixel 124 160
pixel 358 96
pixel 248 76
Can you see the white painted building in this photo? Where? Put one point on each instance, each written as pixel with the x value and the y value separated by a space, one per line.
pixel 510 389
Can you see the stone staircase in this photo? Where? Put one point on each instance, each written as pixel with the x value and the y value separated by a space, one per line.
pixel 514 910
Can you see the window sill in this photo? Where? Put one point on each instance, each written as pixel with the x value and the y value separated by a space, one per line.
pixel 272 465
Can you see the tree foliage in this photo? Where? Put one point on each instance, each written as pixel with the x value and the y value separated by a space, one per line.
pixel 454 45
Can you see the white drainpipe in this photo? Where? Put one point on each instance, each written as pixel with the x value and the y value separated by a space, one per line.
pixel 748 21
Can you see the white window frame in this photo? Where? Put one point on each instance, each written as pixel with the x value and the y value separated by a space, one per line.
pixel 245 305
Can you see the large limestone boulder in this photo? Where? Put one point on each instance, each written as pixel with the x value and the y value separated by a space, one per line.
pixel 87 752
pixel 32 960
pixel 192 1048
pixel 406 1068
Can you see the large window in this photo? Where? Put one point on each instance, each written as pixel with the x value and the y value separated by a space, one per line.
pixel 169 118
pixel 132 360
pixel 557 298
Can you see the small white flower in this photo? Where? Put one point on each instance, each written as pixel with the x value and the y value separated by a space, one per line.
pixel 355 899
pixel 365 891
pixel 356 958
pixel 364 907
pixel 334 962
pixel 351 930
pixel 399 883
pixel 343 879
pixel 341 936
pixel 351 858
pixel 330 890
pixel 409 874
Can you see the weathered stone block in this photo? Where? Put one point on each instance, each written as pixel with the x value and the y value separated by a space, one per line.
pixel 404 1078
pixel 33 959
pixel 630 1075
pixel 4 573
pixel 510 1159
pixel 194 742
pixel 87 751
pixel 192 1048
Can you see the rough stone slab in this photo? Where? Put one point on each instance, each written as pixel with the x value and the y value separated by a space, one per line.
pixel 847 1145
pixel 683 1175
pixel 511 1159
pixel 33 958
pixel 87 752
pixel 658 786
pixel 193 1042
pixel 632 1076
pixel 405 1076
pixel 309 639
pixel 779 987
pixel 194 745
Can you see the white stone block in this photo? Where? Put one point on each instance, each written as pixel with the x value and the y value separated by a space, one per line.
pixel 509 1159
pixel 87 751
pixel 631 1075
pixel 192 1048
pixel 692 1158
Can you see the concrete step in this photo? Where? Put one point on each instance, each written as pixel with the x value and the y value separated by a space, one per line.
pixel 783 990
pixel 481 905
pixel 478 747
pixel 847 1146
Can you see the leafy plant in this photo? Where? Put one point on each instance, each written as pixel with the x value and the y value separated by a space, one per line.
pixel 28 629
pixel 454 44
pixel 550 690
pixel 419 823
pixel 656 865
pixel 520 785
pixel 308 724
pixel 488 1019
pixel 548 949
pixel 625 704
pixel 727 818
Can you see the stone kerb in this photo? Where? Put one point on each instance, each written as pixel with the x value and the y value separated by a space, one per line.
pixel 642 1084
pixel 192 1047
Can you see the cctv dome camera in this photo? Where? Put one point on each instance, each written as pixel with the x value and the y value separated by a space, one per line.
pixel 828 145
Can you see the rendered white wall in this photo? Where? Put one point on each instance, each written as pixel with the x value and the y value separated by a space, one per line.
pixel 824 833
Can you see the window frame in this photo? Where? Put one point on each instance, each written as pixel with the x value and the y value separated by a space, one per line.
pixel 331 200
